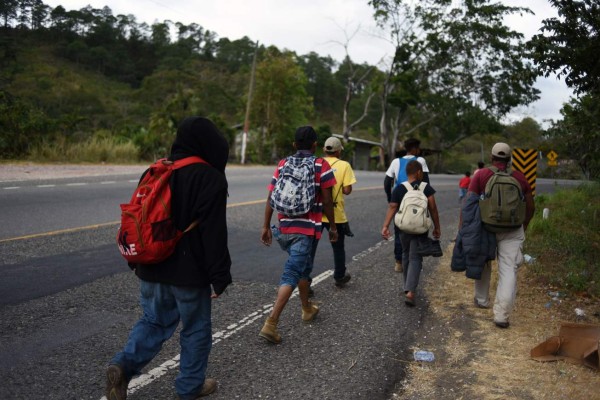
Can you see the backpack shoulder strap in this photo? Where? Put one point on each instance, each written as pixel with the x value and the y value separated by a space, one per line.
pixel 188 161
pixel 408 186
pixel 422 186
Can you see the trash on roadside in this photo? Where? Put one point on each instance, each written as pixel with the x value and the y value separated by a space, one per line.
pixel 575 343
pixel 423 355
pixel 548 304
pixel 579 312
pixel 528 259
pixel 556 296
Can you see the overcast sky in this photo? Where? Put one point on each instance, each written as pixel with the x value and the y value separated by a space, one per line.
pixel 319 26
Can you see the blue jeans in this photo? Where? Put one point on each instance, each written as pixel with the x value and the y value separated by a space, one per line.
pixel 164 306
pixel 299 264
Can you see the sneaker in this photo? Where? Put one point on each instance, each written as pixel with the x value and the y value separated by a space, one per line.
pixel 342 282
pixel 502 325
pixel 398 266
pixel 269 331
pixel 309 313
pixel 409 299
pixel 116 383
pixel 429 247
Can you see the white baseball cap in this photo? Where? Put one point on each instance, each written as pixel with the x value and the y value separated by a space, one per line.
pixel 501 150
pixel 333 144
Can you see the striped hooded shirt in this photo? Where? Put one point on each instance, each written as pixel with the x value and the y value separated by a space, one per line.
pixel 310 223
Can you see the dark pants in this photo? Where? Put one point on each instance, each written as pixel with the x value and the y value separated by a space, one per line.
pixel 411 260
pixel 397 244
pixel 339 253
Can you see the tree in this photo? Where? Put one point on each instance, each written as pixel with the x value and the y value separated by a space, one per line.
pixel 327 93
pixel 462 53
pixel 527 133
pixel 569 45
pixel 579 134
pixel 8 11
pixel 280 102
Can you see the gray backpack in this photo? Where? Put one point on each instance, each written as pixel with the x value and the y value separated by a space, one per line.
pixel 502 205
pixel 294 193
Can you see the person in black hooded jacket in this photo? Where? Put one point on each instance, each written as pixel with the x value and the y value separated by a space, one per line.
pixel 179 288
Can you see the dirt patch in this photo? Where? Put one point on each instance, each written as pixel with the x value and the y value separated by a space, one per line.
pixel 26 171
pixel 476 360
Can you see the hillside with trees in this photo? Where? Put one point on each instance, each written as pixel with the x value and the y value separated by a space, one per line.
pixel 90 79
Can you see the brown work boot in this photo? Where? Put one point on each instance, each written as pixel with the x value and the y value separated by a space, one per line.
pixel 116 383
pixel 398 266
pixel 309 312
pixel 269 331
pixel 208 387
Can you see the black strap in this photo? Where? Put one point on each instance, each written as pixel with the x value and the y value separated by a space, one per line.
pixel 341 183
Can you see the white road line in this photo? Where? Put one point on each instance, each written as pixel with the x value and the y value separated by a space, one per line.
pixel 77 184
pixel 45 186
pixel 107 182
pixel 147 378
pixel 12 187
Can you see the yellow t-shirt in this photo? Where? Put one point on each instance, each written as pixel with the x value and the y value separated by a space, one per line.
pixel 344 176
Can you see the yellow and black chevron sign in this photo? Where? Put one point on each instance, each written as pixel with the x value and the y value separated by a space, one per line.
pixel 525 160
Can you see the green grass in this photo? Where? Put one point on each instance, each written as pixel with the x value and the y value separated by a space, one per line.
pixel 567 244
pixel 93 150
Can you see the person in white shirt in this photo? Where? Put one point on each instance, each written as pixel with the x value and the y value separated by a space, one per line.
pixel 395 175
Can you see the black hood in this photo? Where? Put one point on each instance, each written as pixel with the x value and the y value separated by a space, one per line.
pixel 198 136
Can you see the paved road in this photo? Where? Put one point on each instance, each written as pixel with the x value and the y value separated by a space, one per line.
pixel 67 303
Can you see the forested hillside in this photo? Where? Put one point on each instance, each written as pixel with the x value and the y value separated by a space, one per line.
pixel 86 81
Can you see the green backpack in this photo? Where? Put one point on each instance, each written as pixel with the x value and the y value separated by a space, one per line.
pixel 502 205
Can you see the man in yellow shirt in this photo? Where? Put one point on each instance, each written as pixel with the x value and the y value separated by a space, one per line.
pixel 345 178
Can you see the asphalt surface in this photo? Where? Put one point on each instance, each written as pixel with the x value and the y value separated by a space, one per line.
pixel 57 345
pixel 68 307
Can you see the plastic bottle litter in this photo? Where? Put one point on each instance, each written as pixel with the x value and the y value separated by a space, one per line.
pixel 422 355
pixel 528 259
pixel 580 312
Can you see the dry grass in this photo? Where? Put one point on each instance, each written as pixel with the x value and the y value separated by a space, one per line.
pixel 476 360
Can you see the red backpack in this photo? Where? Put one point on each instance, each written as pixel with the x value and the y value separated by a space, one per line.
pixel 147 234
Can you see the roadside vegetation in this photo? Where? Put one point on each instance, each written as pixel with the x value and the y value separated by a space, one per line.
pixel 476 360
pixel 92 86
pixel 566 245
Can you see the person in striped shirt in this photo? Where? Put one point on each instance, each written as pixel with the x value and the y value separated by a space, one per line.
pixel 299 235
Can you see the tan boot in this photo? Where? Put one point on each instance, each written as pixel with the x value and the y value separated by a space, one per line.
pixel 309 312
pixel 269 331
pixel 398 266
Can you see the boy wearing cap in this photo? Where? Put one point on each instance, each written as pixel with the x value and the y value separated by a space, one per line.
pixel 509 244
pixel 344 177
pixel 299 235
pixel 394 176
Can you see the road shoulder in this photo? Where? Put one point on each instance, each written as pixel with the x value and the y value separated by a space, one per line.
pixel 475 359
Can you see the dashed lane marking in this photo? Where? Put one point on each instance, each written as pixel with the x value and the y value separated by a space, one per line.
pixel 139 382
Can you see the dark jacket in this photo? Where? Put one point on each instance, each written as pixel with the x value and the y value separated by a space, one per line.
pixel 474 245
pixel 199 192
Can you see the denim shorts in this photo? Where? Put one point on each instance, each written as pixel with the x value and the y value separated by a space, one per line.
pixel 299 264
